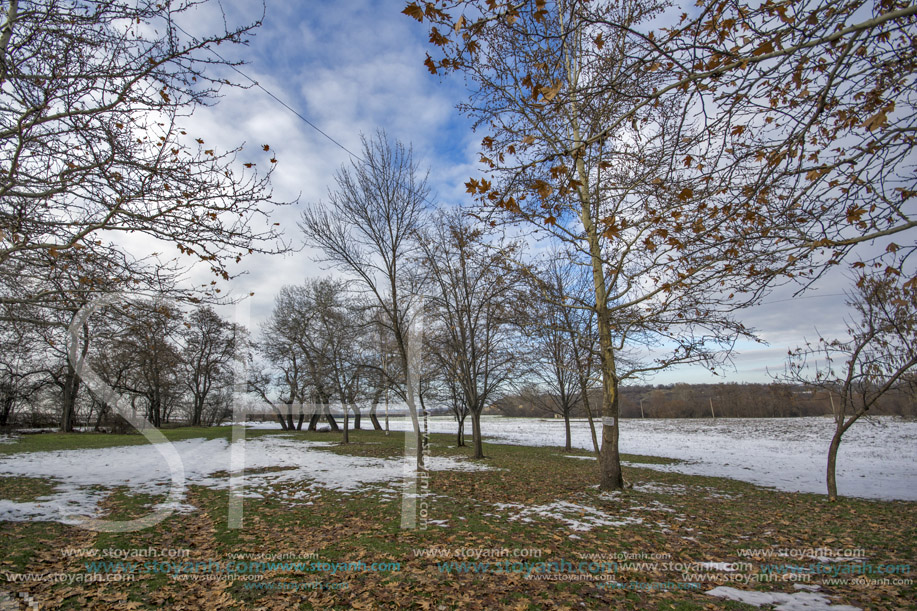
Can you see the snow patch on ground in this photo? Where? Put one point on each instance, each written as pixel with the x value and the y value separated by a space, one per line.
pixel 580 518
pixel 660 488
pixel 145 469
pixel 800 601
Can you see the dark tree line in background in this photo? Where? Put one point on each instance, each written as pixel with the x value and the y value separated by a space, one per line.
pixel 730 400
pixel 172 366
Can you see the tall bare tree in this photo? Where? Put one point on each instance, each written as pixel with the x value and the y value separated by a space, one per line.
pixel 474 293
pixel 210 343
pixel 562 326
pixel 293 343
pixel 368 228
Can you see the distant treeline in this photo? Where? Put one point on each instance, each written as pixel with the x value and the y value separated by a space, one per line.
pixel 734 400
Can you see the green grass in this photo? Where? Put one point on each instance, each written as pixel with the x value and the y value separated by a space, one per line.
pixel 23 489
pixel 691 518
pixel 46 442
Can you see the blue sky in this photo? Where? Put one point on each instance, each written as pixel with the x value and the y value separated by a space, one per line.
pixel 355 66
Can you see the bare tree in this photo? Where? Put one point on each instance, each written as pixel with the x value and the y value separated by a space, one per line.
pixel 152 338
pixel 292 343
pixel 334 338
pixel 71 279
pixel 367 228
pixel 879 354
pixel 22 373
pixel 91 139
pixel 562 326
pixel 474 293
pixel 210 343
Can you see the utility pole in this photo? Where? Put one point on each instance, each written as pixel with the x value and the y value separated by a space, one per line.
pixel 641 408
pixel 712 413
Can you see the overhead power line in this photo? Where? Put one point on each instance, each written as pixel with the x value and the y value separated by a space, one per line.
pixel 276 98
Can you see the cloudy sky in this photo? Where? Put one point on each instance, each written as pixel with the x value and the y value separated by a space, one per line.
pixel 354 66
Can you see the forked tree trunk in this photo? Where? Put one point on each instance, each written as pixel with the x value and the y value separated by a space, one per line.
pixel 332 421
pixel 103 410
pixel 197 411
pixel 460 435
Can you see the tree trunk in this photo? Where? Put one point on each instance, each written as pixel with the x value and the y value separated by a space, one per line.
pixel 460 435
pixel 567 428
pixel 332 421
pixel 377 426
pixel 103 409
pixel 302 417
pixel 346 425
pixel 423 436
pixel 313 421
pixel 156 411
pixel 7 403
pixel 609 459
pixel 832 462
pixel 282 420
pixel 68 399
pixel 197 411
pixel 409 392
pixel 356 418
pixel 476 434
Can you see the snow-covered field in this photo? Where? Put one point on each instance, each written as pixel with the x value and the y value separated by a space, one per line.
pixel 877 459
